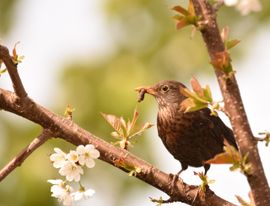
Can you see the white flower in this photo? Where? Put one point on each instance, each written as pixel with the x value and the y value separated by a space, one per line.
pixel 244 6
pixel 61 191
pixel 247 6
pixel 58 158
pixel 56 182
pixel 73 156
pixel 72 171
pixel 82 194
pixel 66 200
pixel 86 155
pixel 230 2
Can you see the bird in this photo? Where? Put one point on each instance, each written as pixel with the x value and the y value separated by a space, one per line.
pixel 191 137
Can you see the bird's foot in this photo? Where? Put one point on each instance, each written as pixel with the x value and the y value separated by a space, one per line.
pixel 174 179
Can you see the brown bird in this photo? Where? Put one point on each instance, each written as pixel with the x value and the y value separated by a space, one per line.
pixel 192 137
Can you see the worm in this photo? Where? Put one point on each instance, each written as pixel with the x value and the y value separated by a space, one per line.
pixel 141 91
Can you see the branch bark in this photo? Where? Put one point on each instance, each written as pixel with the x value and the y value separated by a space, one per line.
pixel 233 104
pixel 26 152
pixel 65 128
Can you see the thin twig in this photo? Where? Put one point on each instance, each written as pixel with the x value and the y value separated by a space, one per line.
pixel 19 159
pixel 13 72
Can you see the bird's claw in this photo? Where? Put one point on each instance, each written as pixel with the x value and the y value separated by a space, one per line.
pixel 175 178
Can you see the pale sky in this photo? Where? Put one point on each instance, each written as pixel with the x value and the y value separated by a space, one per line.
pixel 52 31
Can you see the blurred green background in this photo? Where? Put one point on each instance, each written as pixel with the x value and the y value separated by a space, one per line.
pixel 146 48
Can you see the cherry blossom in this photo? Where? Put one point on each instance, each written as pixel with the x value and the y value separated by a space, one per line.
pixel 71 171
pixel 87 154
pixel 73 156
pixel 61 191
pixel 71 166
pixel 58 158
pixel 244 6
pixel 82 194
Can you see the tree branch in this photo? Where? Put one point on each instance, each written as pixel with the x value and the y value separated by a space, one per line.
pixel 66 129
pixel 233 104
pixel 13 72
pixel 19 159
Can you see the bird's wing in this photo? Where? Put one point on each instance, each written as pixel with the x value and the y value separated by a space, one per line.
pixel 220 129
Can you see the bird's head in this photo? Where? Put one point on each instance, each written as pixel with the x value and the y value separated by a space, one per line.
pixel 167 93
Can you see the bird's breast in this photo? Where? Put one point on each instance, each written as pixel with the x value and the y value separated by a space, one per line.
pixel 166 123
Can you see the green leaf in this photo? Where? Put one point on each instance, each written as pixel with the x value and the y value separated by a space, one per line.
pixel 214 108
pixel 115 134
pixel 69 111
pixel 228 69
pixel 146 126
pixel 15 57
pixel 186 92
pixel 190 105
pixel 191 8
pixel 197 88
pixel 235 167
pixel 231 43
pixel 186 17
pixel 176 17
pixel 205 182
pixel 181 10
pixel 114 121
pixel 123 122
pixel 125 130
pixel 207 93
pixel 232 156
pixel 198 98
pixel 225 33
pixel 182 23
pixel 197 106
pixel 130 125
pixel 229 156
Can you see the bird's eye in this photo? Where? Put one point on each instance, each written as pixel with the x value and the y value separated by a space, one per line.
pixel 165 88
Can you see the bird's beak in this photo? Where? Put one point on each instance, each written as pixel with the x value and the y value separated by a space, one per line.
pixel 148 89
pixel 143 90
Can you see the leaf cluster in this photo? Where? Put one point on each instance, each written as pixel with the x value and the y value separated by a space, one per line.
pixel 232 156
pixel 15 57
pixel 222 60
pixel 205 181
pixel 199 98
pixel 186 16
pixel 125 130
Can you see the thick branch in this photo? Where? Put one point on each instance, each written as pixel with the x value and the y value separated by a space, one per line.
pixel 13 72
pixel 69 131
pixel 19 159
pixel 233 104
